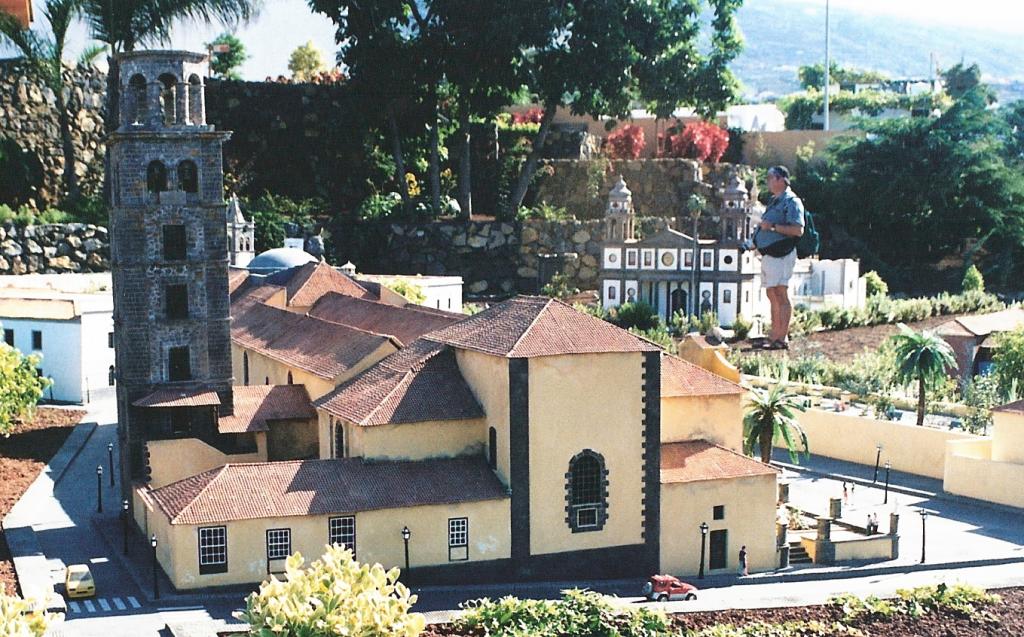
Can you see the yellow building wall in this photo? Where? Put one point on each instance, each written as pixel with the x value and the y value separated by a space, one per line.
pixel 877 547
pixel 378 539
pixel 710 359
pixel 1008 437
pixel 487 377
pixel 292 440
pixel 984 479
pixel 263 368
pixel 416 441
pixel 750 509
pixel 717 419
pixel 912 449
pixel 172 460
pixel 577 402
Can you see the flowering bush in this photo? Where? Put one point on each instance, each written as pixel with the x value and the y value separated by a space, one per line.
pixel 531 116
pixel 702 141
pixel 625 142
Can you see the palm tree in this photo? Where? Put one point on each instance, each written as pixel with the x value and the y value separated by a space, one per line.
pixel 770 415
pixel 922 357
pixel 124 24
pixel 44 56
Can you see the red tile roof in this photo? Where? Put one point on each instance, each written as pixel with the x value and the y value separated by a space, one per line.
pixel 321 348
pixel 236 277
pixel 315 279
pixel 697 460
pixel 321 487
pixel 404 323
pixel 20 9
pixel 179 398
pixel 528 326
pixel 1016 407
pixel 984 324
pixel 417 384
pixel 683 378
pixel 256 405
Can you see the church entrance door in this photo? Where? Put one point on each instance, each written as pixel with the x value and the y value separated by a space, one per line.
pixel 678 302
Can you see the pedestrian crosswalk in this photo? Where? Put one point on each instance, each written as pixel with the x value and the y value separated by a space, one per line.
pixel 105 605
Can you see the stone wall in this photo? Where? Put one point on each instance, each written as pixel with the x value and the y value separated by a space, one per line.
pixel 53 248
pixel 28 116
pixel 660 186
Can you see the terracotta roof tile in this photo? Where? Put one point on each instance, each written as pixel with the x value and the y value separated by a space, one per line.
pixel 696 460
pixel 311 281
pixel 683 378
pixel 255 405
pixel 528 326
pixel 404 323
pixel 236 277
pixel 1016 407
pixel 417 384
pixel 179 398
pixel 321 487
pixel 319 347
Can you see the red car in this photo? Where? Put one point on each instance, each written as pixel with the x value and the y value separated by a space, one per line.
pixel 663 588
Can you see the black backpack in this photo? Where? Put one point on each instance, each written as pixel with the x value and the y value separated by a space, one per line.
pixel 810 241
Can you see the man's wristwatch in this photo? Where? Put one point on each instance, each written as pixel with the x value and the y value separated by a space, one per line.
pixel 773 227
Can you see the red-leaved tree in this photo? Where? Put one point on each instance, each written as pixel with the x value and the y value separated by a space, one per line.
pixel 702 141
pixel 530 116
pixel 625 142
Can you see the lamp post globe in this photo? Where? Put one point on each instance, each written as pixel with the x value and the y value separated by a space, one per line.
pixel 156 580
pixel 406 534
pixel 878 457
pixel 124 524
pixel 924 518
pixel 888 466
pixel 99 488
pixel 703 542
pixel 110 461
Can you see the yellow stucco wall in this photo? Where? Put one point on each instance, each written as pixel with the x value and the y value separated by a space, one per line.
pixel 292 440
pixel 876 547
pixel 172 460
pixel 749 519
pixel 416 441
pixel 710 359
pixel 585 401
pixel 1008 437
pixel 717 419
pixel 378 539
pixel 973 475
pixel 487 377
pixel 912 449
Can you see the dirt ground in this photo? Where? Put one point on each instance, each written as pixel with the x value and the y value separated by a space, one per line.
pixel 844 345
pixel 22 456
pixel 1005 619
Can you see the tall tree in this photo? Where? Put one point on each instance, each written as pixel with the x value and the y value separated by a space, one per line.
pixel 44 55
pixel 771 416
pixel 227 53
pixel 601 54
pixel 21 387
pixel 305 62
pixel 124 25
pixel 922 358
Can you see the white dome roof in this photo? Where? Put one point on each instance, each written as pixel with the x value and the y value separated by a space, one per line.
pixel 279 259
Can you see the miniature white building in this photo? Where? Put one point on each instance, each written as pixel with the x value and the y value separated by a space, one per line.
pixel 72 331
pixel 241 236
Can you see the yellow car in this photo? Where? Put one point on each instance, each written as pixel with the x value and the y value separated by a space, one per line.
pixel 78 581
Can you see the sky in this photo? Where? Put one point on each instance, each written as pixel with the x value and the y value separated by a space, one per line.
pixel 284 25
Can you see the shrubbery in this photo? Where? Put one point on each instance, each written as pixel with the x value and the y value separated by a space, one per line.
pixel 625 142
pixel 703 141
pixel 881 310
pixel 874 284
pixel 959 599
pixel 18 620
pixel 973 281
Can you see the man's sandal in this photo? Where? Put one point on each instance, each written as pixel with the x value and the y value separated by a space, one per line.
pixel 777 345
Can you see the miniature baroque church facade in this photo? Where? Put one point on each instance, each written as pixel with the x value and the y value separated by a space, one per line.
pixel 678 272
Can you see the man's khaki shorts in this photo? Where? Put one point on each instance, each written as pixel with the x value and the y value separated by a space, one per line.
pixel 777 271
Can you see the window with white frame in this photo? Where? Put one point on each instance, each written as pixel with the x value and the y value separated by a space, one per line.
pixel 279 543
pixel 342 530
pixel 213 549
pixel 458 539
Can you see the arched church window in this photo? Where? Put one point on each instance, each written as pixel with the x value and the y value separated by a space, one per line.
pixel 245 368
pixel 137 97
pixel 188 176
pixel 290 378
pixel 339 440
pixel 168 93
pixel 492 448
pixel 156 176
pixel 586 492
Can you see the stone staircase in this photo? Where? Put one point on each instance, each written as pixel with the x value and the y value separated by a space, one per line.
pixel 798 554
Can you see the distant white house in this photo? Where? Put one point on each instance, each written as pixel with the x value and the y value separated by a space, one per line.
pixel 440 292
pixel 72 331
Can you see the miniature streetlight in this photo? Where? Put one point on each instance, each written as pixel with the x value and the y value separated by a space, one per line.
pixel 156 581
pixel 703 542
pixel 110 461
pixel 406 534
pixel 99 488
pixel 924 518
pixel 878 457
pixel 888 466
pixel 124 524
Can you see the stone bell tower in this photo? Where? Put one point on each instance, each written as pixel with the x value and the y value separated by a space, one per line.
pixel 241 235
pixel 736 214
pixel 169 257
pixel 620 218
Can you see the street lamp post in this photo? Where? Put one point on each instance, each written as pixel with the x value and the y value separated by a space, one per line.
pixel 924 518
pixel 124 524
pixel 156 580
pixel 878 456
pixel 99 488
pixel 110 461
pixel 406 534
pixel 703 542
pixel 888 465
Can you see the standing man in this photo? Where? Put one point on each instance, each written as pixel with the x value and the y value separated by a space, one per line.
pixel 743 561
pixel 781 227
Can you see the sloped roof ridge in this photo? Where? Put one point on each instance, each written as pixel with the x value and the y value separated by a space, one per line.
pixel 406 377
pixel 536 317
pixel 214 474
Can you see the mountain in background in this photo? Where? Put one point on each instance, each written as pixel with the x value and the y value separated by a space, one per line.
pixel 783 35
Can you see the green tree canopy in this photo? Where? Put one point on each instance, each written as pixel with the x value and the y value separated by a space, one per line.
pixel 921 357
pixel 20 387
pixel 227 53
pixel 306 61
pixel 1008 362
pixel 771 416
pixel 813 75
pixel 973 281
